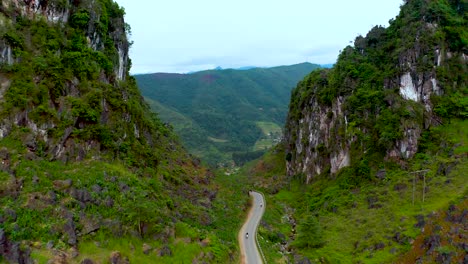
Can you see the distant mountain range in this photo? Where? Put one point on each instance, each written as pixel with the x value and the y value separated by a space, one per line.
pixel 244 68
pixel 222 112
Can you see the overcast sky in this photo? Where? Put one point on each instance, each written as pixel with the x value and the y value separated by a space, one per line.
pixel 190 35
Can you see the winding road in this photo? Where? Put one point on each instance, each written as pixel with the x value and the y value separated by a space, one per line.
pixel 248 245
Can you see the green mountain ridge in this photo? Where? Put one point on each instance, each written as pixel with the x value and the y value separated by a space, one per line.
pixel 216 112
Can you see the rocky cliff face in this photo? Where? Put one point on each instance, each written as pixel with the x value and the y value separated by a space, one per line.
pixel 80 151
pixel 58 12
pixel 73 55
pixel 382 93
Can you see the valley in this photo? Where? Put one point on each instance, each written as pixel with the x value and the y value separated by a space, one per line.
pixel 362 161
pixel 224 116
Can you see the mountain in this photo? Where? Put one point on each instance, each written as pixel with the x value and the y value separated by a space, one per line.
pixel 246 68
pixel 375 149
pixel 327 66
pixel 221 113
pixel 87 173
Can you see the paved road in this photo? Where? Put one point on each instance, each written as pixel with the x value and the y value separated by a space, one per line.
pixel 249 250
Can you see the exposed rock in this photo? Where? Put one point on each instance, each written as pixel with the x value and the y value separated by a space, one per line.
pixel 50 244
pixel 108 202
pixel 59 258
pixel 117 258
pixel 400 238
pixel 96 189
pixel 2 219
pixel 30 142
pixel 69 229
pixel 38 201
pixel 62 184
pixel 123 187
pixel 87 261
pixel 81 195
pixel 205 242
pixel 421 222
pixel 444 258
pixel 446 168
pixel 114 226
pixel 464 246
pixel 165 251
pixel 30 156
pixel 379 246
pixel 52 196
pixel 10 214
pixel 311 136
pixel 35 180
pixel 4 154
pixel 432 243
pixel 301 260
pixel 73 252
pixel 400 187
pixel 381 174
pixel 373 202
pixel 3 241
pixel 459 218
pixel 89 225
pixel 146 248
pixel 12 252
pixel 281 237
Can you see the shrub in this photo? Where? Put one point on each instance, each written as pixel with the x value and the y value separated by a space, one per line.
pixel 309 234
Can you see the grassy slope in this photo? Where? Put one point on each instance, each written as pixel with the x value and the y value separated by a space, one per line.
pixel 186 238
pixel 143 195
pixel 222 104
pixel 361 223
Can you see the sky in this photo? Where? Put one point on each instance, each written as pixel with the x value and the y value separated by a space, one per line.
pixel 191 35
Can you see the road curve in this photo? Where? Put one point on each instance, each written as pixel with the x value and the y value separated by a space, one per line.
pixel 248 246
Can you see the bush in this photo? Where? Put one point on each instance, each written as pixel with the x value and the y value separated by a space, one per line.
pixel 80 19
pixel 309 234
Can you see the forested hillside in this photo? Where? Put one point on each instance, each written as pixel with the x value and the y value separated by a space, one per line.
pixel 225 114
pixel 87 173
pixel 375 148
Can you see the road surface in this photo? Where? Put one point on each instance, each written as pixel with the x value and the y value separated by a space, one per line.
pixel 248 246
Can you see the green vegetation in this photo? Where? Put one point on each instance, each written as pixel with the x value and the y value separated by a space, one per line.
pixel 372 221
pixel 374 209
pixel 226 105
pixel 84 163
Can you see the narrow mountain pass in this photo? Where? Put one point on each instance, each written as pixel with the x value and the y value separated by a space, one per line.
pixel 248 234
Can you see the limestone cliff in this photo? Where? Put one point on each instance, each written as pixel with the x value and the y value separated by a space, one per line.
pixel 382 94
pixel 80 151
pixel 64 76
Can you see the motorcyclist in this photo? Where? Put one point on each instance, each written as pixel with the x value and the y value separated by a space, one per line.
pixel 247 235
